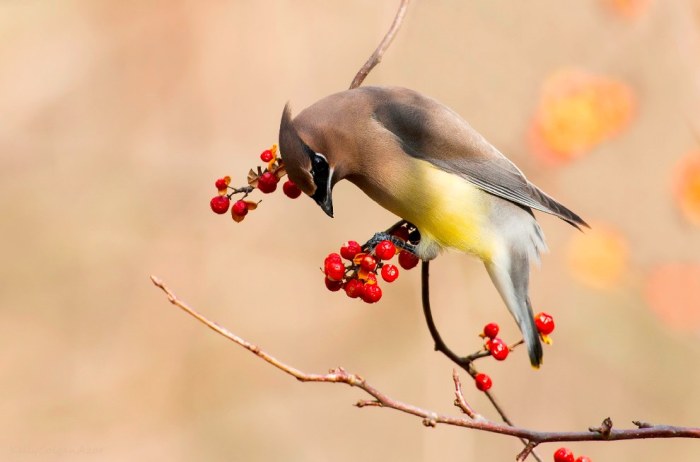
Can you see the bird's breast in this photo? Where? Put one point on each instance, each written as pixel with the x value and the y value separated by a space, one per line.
pixel 448 210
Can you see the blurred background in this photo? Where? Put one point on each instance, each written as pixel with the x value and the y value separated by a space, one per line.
pixel 116 117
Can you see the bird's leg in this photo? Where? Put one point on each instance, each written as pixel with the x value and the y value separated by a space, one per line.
pixel 383 236
pixel 411 235
pixel 397 225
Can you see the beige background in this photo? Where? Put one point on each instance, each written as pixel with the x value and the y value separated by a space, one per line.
pixel 117 116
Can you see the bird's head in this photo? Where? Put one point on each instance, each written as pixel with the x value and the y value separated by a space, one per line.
pixel 308 160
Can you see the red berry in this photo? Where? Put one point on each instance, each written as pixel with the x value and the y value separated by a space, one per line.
pixel 240 208
pixel 491 330
pixel 332 257
pixel 563 455
pixel 544 323
pixel 267 182
pixel 401 233
pixel 333 286
pixel 385 250
pixel 371 293
pixel 583 459
pixel 354 288
pixel 266 155
pixel 221 184
pixel 498 348
pixel 335 270
pixel 350 249
pixel 482 382
pixel 333 267
pixel 368 263
pixel 390 272
pixel 291 189
pixel 407 260
pixel 219 204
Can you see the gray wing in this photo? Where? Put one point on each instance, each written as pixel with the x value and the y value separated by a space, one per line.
pixel 430 131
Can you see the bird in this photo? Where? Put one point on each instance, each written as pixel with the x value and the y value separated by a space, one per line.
pixel 420 160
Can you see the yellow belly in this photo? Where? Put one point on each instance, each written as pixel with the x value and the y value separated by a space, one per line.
pixel 447 209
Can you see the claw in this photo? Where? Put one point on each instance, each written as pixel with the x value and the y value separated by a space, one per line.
pixel 374 241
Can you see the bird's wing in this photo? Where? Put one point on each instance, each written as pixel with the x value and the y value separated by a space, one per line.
pixel 430 131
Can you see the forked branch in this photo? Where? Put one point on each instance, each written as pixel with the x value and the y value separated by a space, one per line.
pixel 472 420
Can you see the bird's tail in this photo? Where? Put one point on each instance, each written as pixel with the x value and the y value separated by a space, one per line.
pixel 511 275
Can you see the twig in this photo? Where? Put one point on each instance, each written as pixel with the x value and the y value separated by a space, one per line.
pixel 376 57
pixel 243 189
pixel 440 345
pixel 431 418
pixel 463 362
pixel 460 402
pixel 484 353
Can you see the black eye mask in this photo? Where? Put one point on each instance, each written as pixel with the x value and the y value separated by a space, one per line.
pixel 320 172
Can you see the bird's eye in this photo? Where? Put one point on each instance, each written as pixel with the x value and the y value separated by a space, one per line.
pixel 319 169
pixel 319 163
pixel 318 160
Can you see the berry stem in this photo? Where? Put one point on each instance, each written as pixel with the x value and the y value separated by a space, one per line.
pixel 485 352
pixel 460 402
pixel 243 189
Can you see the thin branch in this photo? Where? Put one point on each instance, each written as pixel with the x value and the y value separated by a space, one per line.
pixel 465 362
pixel 431 418
pixel 460 402
pixel 484 353
pixel 440 345
pixel 376 57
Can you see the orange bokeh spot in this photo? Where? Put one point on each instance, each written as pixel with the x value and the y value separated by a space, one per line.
pixel 629 9
pixel 578 111
pixel 686 187
pixel 598 256
pixel 673 293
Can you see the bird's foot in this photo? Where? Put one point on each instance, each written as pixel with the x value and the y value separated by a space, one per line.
pixel 384 236
pixel 403 235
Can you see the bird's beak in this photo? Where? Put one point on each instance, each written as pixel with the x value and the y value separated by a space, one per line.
pixel 327 205
pixel 324 196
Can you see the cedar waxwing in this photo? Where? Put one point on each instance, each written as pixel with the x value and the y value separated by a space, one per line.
pixel 423 162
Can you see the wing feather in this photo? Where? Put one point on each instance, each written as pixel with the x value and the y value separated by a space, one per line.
pixel 432 132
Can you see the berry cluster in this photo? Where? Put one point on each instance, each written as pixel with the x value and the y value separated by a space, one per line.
pixel 265 180
pixel 357 275
pixel 499 350
pixel 565 455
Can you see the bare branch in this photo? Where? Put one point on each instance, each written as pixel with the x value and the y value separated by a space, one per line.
pixel 460 402
pixel 529 449
pixel 440 345
pixel 430 418
pixel 376 57
pixel 465 362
